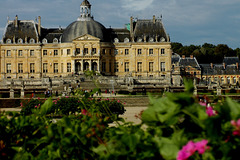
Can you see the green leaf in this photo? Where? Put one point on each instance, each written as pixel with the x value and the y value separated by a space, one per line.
pixel 234 108
pixel 46 106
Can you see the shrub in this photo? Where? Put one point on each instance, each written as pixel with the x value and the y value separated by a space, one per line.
pixel 29 104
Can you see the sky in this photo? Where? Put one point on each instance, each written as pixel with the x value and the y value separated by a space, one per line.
pixel 186 21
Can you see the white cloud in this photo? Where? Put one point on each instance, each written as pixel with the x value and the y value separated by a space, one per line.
pixel 136 5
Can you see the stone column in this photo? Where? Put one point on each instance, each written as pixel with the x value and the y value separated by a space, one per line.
pixel 22 93
pixel 73 66
pixel 82 63
pixel 90 65
pixel 11 93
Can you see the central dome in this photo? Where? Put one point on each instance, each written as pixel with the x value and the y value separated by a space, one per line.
pixel 80 28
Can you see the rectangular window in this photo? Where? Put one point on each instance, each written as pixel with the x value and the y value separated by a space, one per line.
pixel 8 53
pixel 139 51
pixel 103 51
pixel 94 50
pixel 9 67
pixel 139 66
pixel 162 51
pixel 150 66
pixel 45 68
pixel 104 66
pixel 45 52
pixel 55 52
pixel 20 68
pixel 162 66
pixel 126 51
pixel 55 67
pixel 68 51
pixel 110 51
pixel 31 52
pixel 32 68
pixel 115 51
pixel 150 51
pixel 116 67
pixel 126 66
pixel 61 67
pixel 78 50
pixel 20 53
pixel 85 51
pixel 68 67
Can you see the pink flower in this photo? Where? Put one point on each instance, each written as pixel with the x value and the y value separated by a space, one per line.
pixel 36 106
pixel 236 125
pixel 189 147
pixel 203 103
pixel 118 101
pixel 84 111
pixel 210 112
pixel 182 155
pixel 236 133
pixel 201 146
pixel 67 97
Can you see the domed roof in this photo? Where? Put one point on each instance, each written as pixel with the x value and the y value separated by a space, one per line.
pixel 80 28
pixel 85 3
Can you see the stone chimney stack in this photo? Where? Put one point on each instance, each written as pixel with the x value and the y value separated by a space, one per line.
pixel 183 56
pixel 237 64
pixel 224 65
pixel 191 56
pixel 211 65
pixel 154 19
pixel 16 21
pixel 39 25
pixel 131 27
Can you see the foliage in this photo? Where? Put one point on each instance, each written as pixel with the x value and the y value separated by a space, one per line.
pixel 174 126
pixel 29 104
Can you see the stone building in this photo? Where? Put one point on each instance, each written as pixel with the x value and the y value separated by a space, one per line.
pixel 30 51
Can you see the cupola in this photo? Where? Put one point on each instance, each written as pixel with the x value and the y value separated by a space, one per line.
pixel 85 11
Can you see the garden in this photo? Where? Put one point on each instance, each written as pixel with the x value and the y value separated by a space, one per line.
pixel 175 126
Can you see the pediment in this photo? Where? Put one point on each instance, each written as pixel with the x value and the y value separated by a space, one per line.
pixel 87 37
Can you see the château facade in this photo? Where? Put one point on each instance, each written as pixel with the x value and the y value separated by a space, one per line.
pixel 30 51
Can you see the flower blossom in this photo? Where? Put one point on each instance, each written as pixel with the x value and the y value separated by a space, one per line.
pixel 190 148
pixel 236 125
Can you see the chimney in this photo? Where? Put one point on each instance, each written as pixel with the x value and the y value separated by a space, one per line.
pixel 211 65
pixel 183 56
pixel 191 56
pixel 39 25
pixel 154 19
pixel 224 65
pixel 16 21
pixel 131 27
pixel 237 64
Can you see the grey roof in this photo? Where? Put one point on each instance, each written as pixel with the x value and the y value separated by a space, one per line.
pixel 218 69
pixel 231 60
pixel 85 3
pixel 23 30
pixel 51 34
pixel 175 58
pixel 184 62
pixel 150 29
pixel 79 28
pixel 120 34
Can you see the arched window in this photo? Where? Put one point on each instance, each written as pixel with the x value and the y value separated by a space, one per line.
pixel 162 39
pixel 139 39
pixel 126 40
pixel 44 41
pixel 55 40
pixel 151 39
pixel 20 41
pixel 9 41
pixel 32 41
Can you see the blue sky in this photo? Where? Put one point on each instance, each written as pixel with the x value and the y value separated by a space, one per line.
pixel 186 21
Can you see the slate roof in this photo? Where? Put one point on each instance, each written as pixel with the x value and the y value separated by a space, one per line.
pixel 120 34
pixel 150 29
pixel 51 34
pixel 175 58
pixel 231 60
pixel 184 62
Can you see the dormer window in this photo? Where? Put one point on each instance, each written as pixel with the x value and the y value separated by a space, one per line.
pixel 55 40
pixel 9 41
pixel 162 39
pixel 44 41
pixel 151 39
pixel 139 40
pixel 32 41
pixel 116 40
pixel 20 41
pixel 126 40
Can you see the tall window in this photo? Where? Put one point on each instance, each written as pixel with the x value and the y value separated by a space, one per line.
pixel 77 50
pixel 115 51
pixel 110 51
pixel 94 50
pixel 162 66
pixel 162 51
pixel 9 67
pixel 68 67
pixel 104 66
pixel 45 68
pixel 110 67
pixel 139 66
pixel 126 51
pixel 55 52
pixel 85 50
pixel 139 51
pixel 20 53
pixel 44 52
pixel 116 67
pixel 32 68
pixel 68 51
pixel 55 67
pixel 20 68
pixel 150 66
pixel 103 51
pixel 8 53
pixel 31 52
pixel 150 51
pixel 126 66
